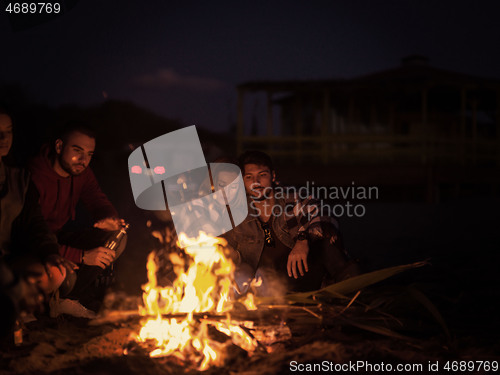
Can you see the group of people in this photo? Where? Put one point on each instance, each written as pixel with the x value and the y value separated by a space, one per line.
pixel 284 240
pixel 42 257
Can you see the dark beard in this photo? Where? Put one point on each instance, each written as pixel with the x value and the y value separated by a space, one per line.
pixel 263 195
pixel 67 168
pixel 258 199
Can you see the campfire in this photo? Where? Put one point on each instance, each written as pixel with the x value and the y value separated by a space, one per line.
pixel 181 316
pixel 195 323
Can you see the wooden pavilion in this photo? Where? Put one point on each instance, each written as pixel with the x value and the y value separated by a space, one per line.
pixel 414 114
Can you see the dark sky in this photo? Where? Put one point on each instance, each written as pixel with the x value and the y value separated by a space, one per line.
pixel 182 59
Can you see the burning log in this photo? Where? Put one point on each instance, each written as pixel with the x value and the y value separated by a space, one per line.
pixel 196 320
pixel 178 318
pixel 265 314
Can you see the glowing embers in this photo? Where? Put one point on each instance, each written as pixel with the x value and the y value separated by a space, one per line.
pixel 182 315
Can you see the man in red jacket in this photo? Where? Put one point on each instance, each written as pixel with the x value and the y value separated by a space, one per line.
pixel 63 178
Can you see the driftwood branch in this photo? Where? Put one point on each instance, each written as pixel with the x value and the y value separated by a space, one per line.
pixel 121 316
pixel 265 313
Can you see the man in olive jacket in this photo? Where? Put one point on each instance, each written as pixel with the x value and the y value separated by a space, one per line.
pixel 284 239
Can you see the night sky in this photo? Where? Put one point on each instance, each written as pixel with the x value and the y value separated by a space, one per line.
pixel 183 59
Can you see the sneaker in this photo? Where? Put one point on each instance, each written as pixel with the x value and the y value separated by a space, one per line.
pixel 73 308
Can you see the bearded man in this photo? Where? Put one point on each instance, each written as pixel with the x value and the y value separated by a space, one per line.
pixel 63 178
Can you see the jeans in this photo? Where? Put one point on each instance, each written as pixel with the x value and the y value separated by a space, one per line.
pixel 326 262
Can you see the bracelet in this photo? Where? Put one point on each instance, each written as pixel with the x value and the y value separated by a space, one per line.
pixel 302 236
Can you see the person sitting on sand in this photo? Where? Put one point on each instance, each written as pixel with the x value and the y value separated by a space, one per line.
pixel 284 239
pixel 27 247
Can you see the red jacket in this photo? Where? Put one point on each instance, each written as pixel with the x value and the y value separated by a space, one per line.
pixel 60 195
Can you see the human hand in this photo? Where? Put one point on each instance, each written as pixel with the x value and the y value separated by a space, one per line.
pixel 46 276
pixel 99 256
pixel 296 258
pixel 64 265
pixel 110 224
pixel 31 296
pixel 232 254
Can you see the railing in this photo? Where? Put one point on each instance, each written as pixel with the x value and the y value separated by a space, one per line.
pixel 376 148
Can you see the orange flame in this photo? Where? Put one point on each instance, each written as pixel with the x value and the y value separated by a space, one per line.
pixel 205 286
